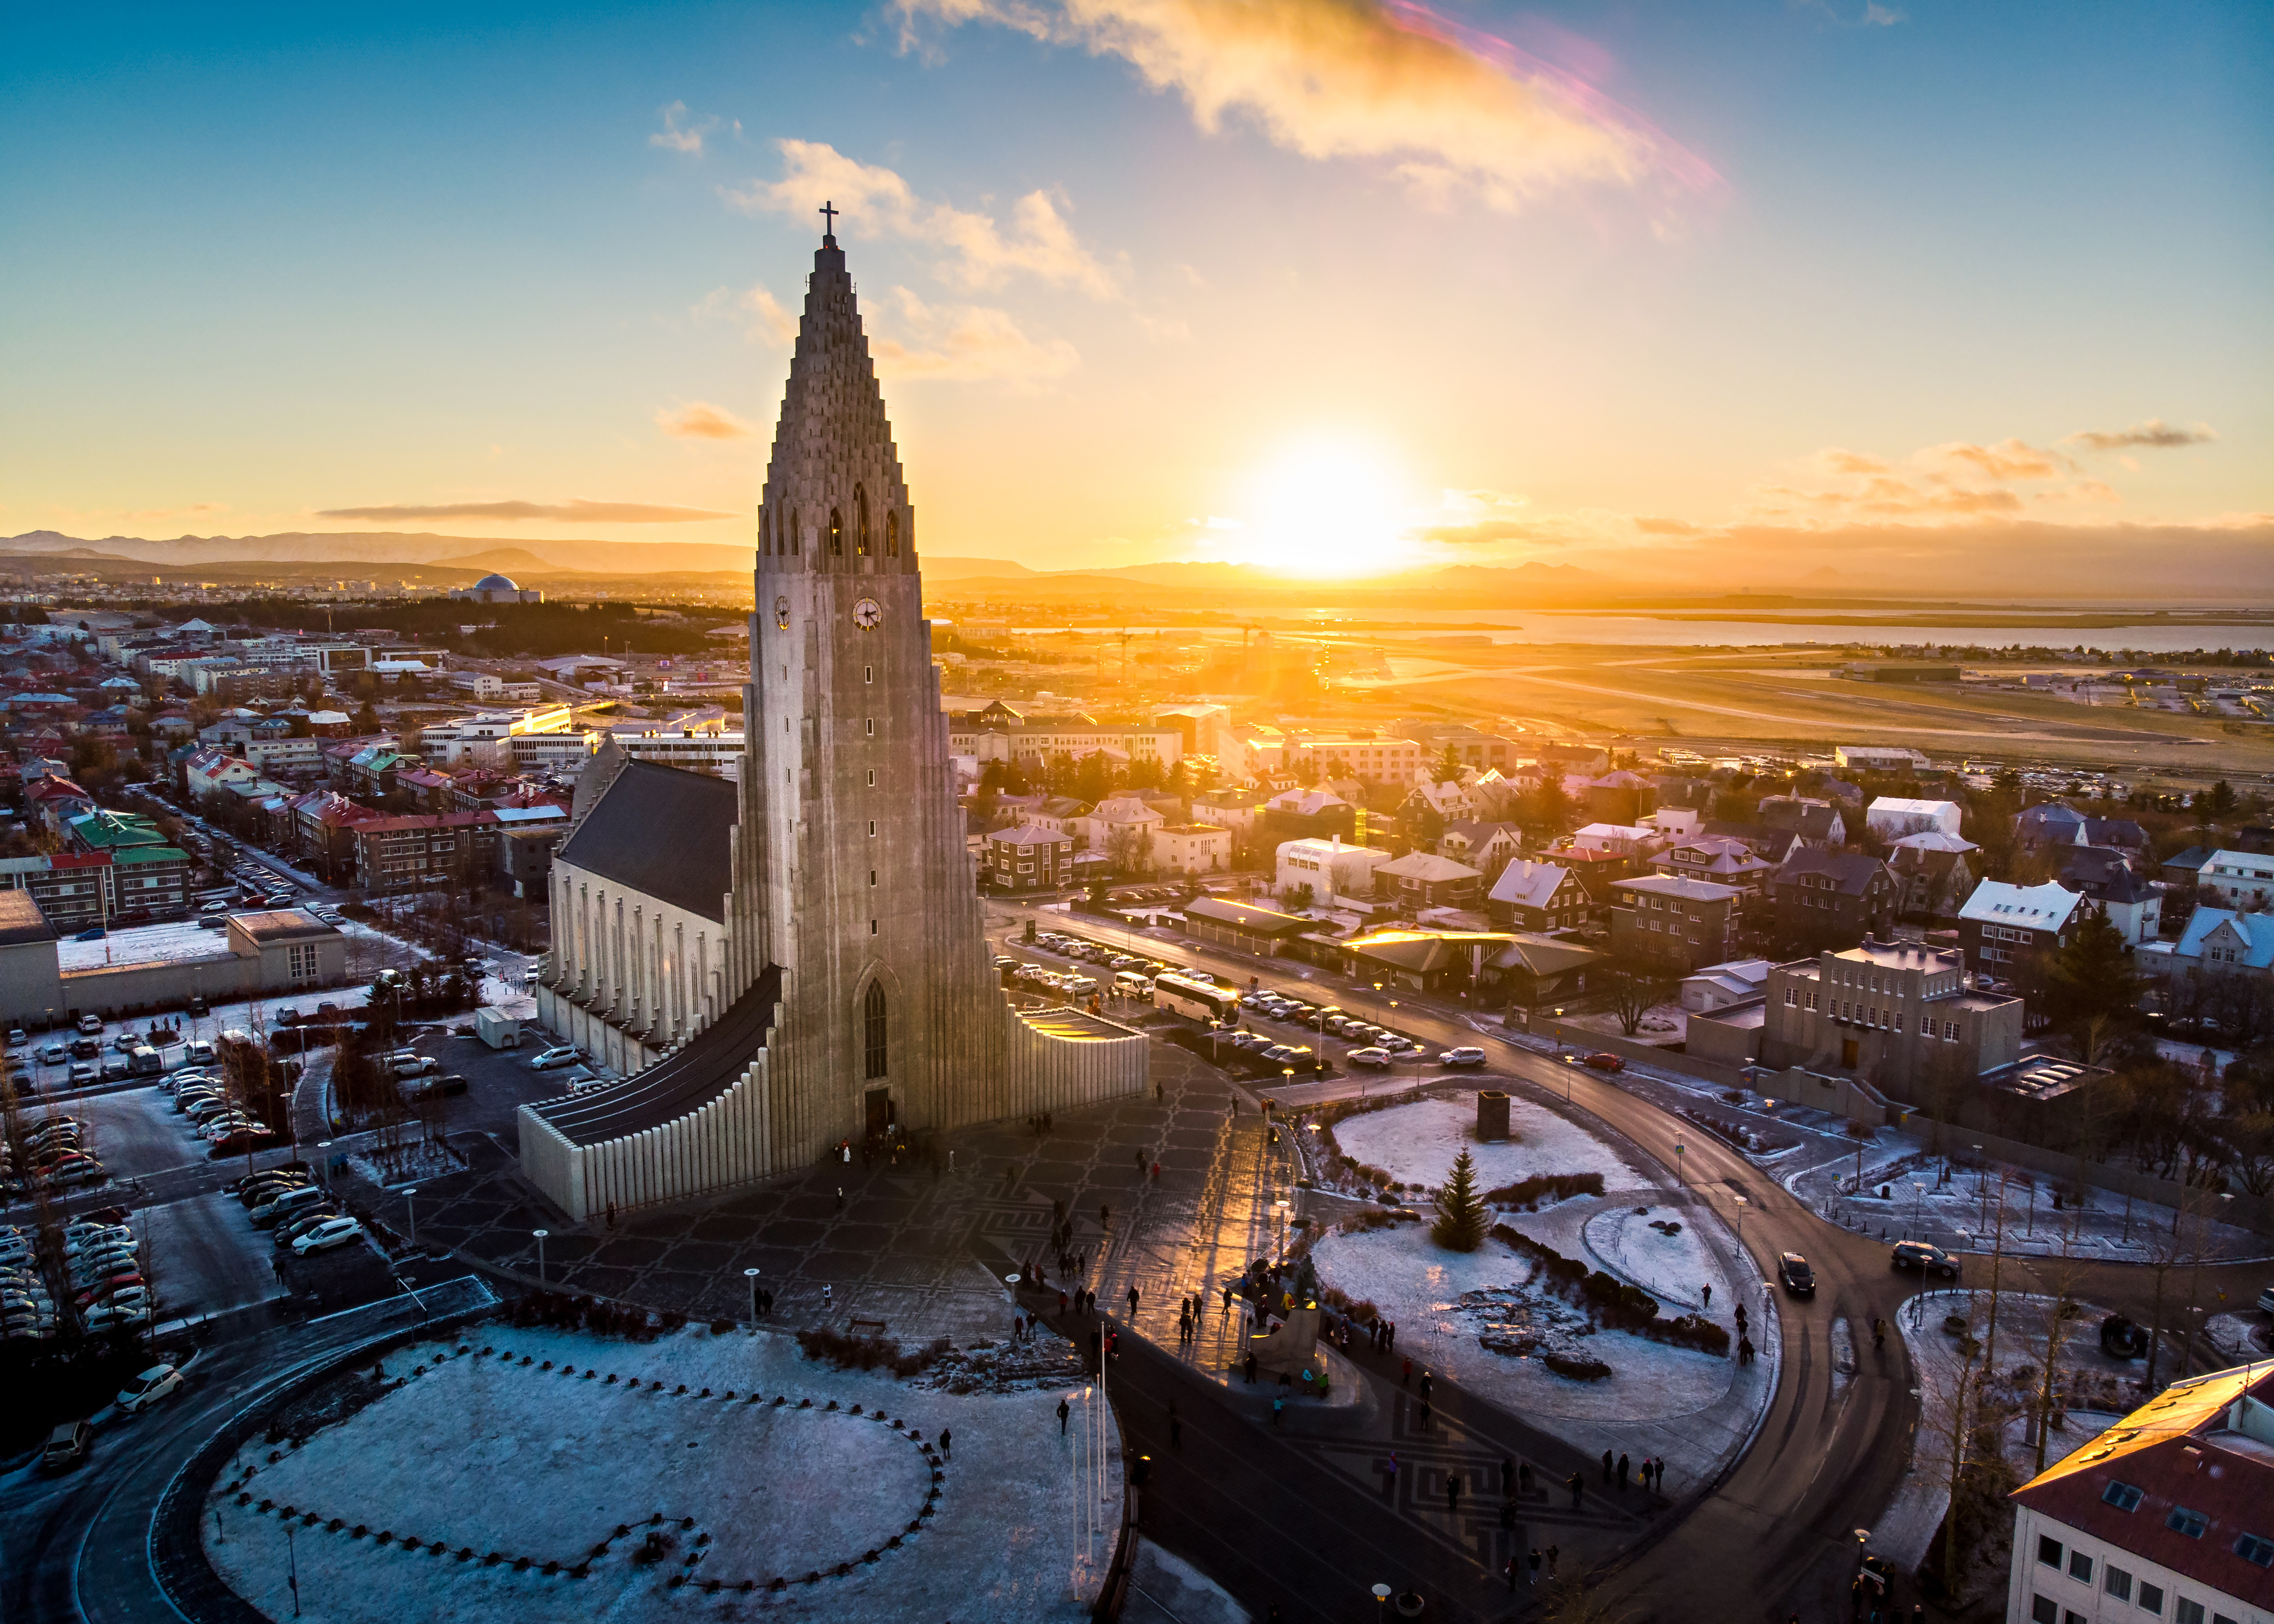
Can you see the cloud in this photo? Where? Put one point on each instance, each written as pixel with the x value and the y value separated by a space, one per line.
pixel 1873 15
pixel 2008 460
pixel 2154 434
pixel 1838 461
pixel 678 137
pixel 965 341
pixel 1485 531
pixel 755 311
pixel 576 511
pixel 1649 526
pixel 876 202
pixel 1457 113
pixel 701 420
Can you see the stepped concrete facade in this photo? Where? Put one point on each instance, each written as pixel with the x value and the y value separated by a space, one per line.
pixel 849 992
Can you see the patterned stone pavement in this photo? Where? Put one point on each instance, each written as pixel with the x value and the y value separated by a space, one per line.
pixel 922 1248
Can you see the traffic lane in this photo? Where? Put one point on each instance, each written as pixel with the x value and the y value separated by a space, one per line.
pixel 204 1256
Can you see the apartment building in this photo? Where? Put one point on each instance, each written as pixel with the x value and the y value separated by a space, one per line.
pixel 1693 923
pixel 2007 928
pixel 1897 1012
pixel 1333 870
pixel 1027 858
pixel 422 851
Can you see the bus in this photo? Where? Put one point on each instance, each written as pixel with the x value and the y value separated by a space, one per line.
pixel 1191 996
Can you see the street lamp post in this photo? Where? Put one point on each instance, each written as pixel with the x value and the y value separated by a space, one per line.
pixel 540 1235
pixel 751 1275
pixel 1741 1222
pixel 1919 1196
pixel 1982 1185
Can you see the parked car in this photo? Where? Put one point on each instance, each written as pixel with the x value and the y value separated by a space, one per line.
pixel 324 1236
pixel 89 1026
pixel 1462 1057
pixel 415 1065
pixel 1373 1057
pixel 297 1225
pixel 1605 1063
pixel 54 1054
pixel 283 1202
pixel 561 1056
pixel 18 1037
pixel 1927 1259
pixel 2123 1339
pixel 1798 1278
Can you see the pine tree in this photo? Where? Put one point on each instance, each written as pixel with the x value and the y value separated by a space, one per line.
pixel 1460 1212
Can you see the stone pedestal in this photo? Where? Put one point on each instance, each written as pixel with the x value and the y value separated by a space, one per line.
pixel 1492 1115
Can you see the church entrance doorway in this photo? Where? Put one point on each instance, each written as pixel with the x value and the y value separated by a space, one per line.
pixel 880 1112
pixel 1847 1053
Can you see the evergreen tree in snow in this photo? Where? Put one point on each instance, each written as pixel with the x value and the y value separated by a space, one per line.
pixel 1460 1211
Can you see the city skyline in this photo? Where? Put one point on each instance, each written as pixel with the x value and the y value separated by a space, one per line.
pixel 1339 288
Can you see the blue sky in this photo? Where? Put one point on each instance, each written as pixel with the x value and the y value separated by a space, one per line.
pixel 1631 285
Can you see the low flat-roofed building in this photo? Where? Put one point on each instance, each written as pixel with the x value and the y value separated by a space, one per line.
pixel 1264 932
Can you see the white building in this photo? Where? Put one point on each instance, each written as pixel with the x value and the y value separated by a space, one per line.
pixel 1877 758
pixel 1625 839
pixel 2167 1516
pixel 484 739
pixel 1123 813
pixel 2245 879
pixel 1335 872
pixel 1190 848
pixel 1891 817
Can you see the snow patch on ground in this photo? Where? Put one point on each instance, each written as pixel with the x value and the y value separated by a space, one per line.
pixel 1179 1589
pixel 1416 1144
pixel 407 1165
pixel 510 1457
pixel 1674 1268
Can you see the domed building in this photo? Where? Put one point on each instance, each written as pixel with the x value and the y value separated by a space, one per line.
pixel 497 589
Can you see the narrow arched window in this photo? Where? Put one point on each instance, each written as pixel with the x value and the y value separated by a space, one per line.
pixel 861 520
pixel 872 1022
pixel 836 534
pixel 892 534
pixel 766 528
pixel 794 534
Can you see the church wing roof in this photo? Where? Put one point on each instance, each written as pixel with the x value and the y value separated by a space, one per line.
pixel 662 831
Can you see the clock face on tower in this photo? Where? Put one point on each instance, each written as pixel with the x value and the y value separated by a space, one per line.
pixel 866 613
pixel 781 613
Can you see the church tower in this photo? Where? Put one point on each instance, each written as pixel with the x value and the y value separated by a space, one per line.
pixel 851 870
pixel 856 992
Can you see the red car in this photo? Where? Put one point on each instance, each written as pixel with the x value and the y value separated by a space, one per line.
pixel 1606 1063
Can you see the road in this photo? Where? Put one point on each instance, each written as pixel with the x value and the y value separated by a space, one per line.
pixel 76 1546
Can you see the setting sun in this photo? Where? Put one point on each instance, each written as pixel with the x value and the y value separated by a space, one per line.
pixel 1326 509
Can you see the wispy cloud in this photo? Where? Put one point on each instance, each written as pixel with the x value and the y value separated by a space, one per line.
pixel 2008 460
pixel 2155 435
pixel 577 511
pixel 701 420
pixel 1872 16
pixel 754 310
pixel 1457 112
pixel 965 341
pixel 677 135
pixel 876 202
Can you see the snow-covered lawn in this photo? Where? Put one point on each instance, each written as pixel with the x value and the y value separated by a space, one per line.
pixel 1416 1144
pixel 1672 1267
pixel 503 1456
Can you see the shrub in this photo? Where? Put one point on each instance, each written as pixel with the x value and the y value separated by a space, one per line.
pixel 871 1352
pixel 1690 1330
pixel 1529 1192
pixel 1578 1366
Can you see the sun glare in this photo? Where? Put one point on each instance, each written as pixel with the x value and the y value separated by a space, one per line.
pixel 1325 509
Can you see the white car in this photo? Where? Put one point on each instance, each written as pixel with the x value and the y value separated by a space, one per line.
pixel 98 1239
pixel 90 1025
pixel 330 1233
pixel 415 1065
pixel 561 1055
pixel 159 1381
pixel 1376 1057
pixel 1462 1057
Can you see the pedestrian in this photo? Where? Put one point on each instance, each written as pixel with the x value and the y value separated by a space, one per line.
pixel 827 1299
pixel 946 1443
pixel 1453 1492
pixel 1426 1385
pixel 1133 1301
pixel 1062 1302
pixel 1553 1553
pixel 1508 1516
pixel 1160 1093
pixel 1856 1596
pixel 1278 1403
pixel 1251 1369
pixel 1744 1350
pixel 1577 1485
pixel 1741 1316
pixel 1104 1216
pixel 1065 1410
pixel 1405 1378
pixel 840 1197
pixel 1511 1571
pixel 1227 1300
pixel 612 1214
pixel 1708 1292
pixel 1607 1466
pixel 1393 1334
pixel 1623 1473
pixel 1658 1472
pixel 1176 1427
pixel 1534 1560
pixel 1156 1172
pixel 1390 1478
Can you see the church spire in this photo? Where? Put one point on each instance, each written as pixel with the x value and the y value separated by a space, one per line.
pixel 835 498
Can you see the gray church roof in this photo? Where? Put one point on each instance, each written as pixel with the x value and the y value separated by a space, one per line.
pixel 662 831
pixel 713 1063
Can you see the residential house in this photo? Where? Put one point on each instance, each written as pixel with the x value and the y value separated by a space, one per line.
pixel 1236 809
pixel 2243 879
pixel 1190 848
pixel 1332 871
pixel 374 770
pixel 524 856
pixel 2054 822
pixel 2169 1514
pixel 1635 841
pixel 2186 867
pixel 1726 986
pixel 1264 933
pixel 1621 797
pixel 1121 827
pixel 1718 861
pixel 1449 801
pixel 1892 818
pixel 2117 882
pixel 2006 929
pixel 1296 814
pixel 1031 857
pixel 1877 758
pixel 1935 875
pixel 1422 880
pixel 322 823
pixel 1539 898
pixel 1537 971
pixel 53 801
pixel 2222 941
pixel 421 852
pixel 1485 847
pixel 1690 922
pixel 73 889
pixel 1833 898
pixel 1812 822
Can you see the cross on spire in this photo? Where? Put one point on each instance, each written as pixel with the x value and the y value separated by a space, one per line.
pixel 829 212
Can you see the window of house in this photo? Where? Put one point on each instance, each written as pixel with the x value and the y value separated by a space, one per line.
pixel 2044 1610
pixel 2251 1548
pixel 2123 1496
pixel 2049 1550
pixel 873 1026
pixel 2117 1583
pixel 2186 1611
pixel 2080 1567
pixel 868 674
pixel 872 778
pixel 2151 1597
pixel 2183 1521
